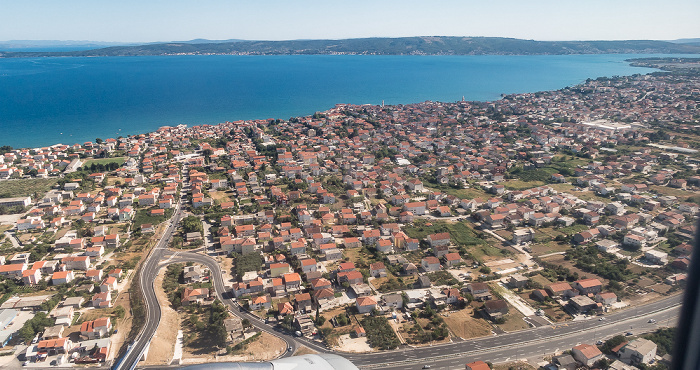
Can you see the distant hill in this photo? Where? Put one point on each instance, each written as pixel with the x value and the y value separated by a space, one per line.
pixel 687 41
pixel 434 45
pixel 35 44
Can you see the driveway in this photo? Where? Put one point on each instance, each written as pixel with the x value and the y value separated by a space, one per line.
pixel 516 301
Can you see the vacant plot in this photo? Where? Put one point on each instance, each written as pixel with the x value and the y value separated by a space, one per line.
pixel 522 185
pixel 549 247
pixel 467 193
pixel 25 187
pixel 558 259
pixel 514 321
pixel 104 161
pixel 590 195
pixel 537 278
pixel 485 252
pixel 573 229
pixel 562 187
pixel 463 324
pixel 664 190
pixel 220 196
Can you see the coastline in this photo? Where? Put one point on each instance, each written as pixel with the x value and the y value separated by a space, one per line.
pixel 369 80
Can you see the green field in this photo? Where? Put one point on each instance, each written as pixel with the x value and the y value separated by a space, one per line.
pixel 104 161
pixel 25 187
pixel 522 185
pixel 460 232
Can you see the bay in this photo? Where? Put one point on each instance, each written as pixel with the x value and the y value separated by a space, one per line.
pixel 45 101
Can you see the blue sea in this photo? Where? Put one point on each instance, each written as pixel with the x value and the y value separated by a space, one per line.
pixel 44 101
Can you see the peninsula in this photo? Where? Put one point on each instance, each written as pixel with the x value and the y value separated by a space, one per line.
pixel 428 45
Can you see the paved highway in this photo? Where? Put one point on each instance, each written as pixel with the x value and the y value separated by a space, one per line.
pixel 527 343
pixel 504 347
pixel 147 274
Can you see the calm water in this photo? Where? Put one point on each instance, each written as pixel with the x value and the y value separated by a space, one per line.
pixel 45 101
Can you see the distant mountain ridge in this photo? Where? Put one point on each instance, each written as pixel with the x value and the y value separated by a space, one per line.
pixel 427 45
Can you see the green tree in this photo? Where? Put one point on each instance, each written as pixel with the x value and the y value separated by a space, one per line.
pixel 192 224
pixel 119 312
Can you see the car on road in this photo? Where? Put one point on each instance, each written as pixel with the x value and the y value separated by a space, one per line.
pixel 601 319
pixel 290 349
pixel 600 342
pixel 426 366
pixel 629 333
pixel 651 321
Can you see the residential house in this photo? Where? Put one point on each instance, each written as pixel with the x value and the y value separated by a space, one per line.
pixel 588 286
pixel 480 291
pixel 303 302
pixel 365 304
pixel 560 290
pixel 495 309
pixel 62 277
pixel 96 328
pixel 377 269
pixel 638 351
pixel 394 300
pixel 477 365
pixel 190 295
pixel 102 300
pixel 582 304
pixel 261 302
pixel 430 264
pixel 586 354
pixel 452 259
pixel 323 297
pixel 438 239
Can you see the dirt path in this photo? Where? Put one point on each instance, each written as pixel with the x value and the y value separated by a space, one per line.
pixel 163 342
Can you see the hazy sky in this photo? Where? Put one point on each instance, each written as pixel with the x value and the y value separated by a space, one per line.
pixel 169 20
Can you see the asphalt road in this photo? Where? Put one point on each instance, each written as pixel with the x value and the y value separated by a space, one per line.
pixel 497 348
pixel 503 347
pixel 527 343
pixel 147 275
pixel 224 296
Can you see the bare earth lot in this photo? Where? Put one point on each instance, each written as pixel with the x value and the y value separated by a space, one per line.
pixel 463 324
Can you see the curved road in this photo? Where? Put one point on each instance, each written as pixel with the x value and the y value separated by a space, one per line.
pixel 147 274
pixel 224 296
pixel 514 345
pixel 504 347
